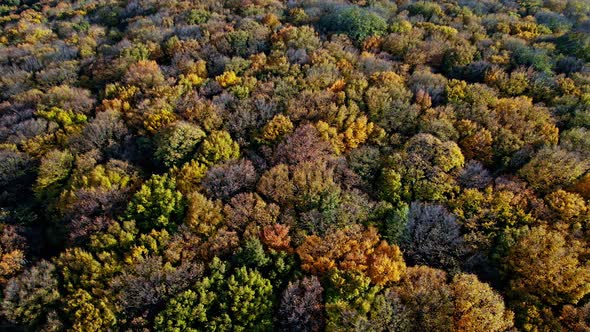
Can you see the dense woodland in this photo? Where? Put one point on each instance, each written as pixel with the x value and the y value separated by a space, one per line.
pixel 305 165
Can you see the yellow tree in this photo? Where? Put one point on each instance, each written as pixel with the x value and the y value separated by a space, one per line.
pixel 478 308
pixel 548 267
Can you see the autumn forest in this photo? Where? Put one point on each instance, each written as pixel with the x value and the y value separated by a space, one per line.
pixel 301 165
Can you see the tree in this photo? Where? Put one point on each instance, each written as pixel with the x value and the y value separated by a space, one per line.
pixel 576 140
pixel 276 128
pixel 426 299
pixel 201 112
pixel 13 248
pixel 67 98
pixel 249 300
pixel 475 142
pixel 430 83
pixel 80 270
pixel 514 124
pixel 28 297
pixel 392 220
pixel 217 147
pixel 495 214
pixel 276 266
pixel 89 314
pixel 357 133
pixel 145 74
pixel 305 144
pixel 157 204
pixel 276 184
pixel 239 300
pixel 575 318
pixel 229 179
pixel 359 23
pixel 248 214
pixel 16 173
pixel 353 304
pixel 276 237
pixel 547 267
pixel 352 249
pixel 421 170
pixel 566 206
pixel 388 102
pixel 427 9
pixel 188 176
pixel 106 132
pixel 433 237
pixel 315 187
pixel 310 189
pixel 554 168
pixel 183 311
pixel 478 307
pixel 474 175
pixel 98 190
pixel 227 79
pixel 365 161
pixel 385 264
pixel 302 307
pixel 177 143
pixel 203 216
pixel 575 43
pixel 430 303
pixel 297 37
pixel 54 171
pixel 143 286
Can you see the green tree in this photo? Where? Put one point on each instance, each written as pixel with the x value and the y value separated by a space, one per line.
pixel 421 171
pixel 55 169
pixel 157 204
pixel 249 301
pixel 218 147
pixel 358 23
pixel 176 143
pixel 239 300
pixel 184 310
pixel 353 304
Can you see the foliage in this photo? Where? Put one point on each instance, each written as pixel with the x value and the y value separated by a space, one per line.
pixel 54 170
pixel 301 306
pixel 341 165
pixel 559 277
pixel 175 144
pixel 237 300
pixel 357 22
pixel 421 170
pixel 432 237
pixel 28 297
pixel 554 168
pixel 157 204
pixel 352 249
pixel 217 147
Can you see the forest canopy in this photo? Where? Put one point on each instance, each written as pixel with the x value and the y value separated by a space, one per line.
pixel 308 165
